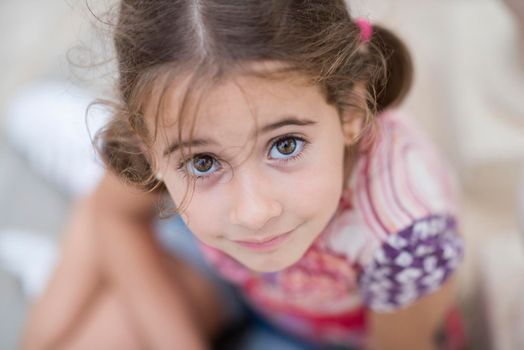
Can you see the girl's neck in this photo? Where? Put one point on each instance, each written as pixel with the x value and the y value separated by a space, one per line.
pixel 351 155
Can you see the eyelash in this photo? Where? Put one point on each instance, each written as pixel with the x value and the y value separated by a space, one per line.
pixel 182 166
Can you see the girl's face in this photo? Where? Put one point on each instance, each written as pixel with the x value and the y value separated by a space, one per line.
pixel 262 200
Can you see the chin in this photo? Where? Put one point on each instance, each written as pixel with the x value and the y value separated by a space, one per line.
pixel 271 263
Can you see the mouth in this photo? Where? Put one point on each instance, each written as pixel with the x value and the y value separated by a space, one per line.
pixel 265 244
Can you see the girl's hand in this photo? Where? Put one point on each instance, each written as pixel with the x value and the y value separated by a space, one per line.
pixel 414 327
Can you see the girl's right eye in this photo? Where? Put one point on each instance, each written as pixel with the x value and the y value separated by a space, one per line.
pixel 200 166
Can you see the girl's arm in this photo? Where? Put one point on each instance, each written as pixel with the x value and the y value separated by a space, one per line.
pixel 139 271
pixel 414 327
pixel 72 288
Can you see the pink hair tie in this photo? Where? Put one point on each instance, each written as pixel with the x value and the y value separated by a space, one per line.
pixel 366 29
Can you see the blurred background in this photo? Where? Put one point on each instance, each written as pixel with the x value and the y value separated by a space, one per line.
pixel 468 95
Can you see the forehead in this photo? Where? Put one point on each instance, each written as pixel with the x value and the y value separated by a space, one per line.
pixel 255 93
pixel 235 104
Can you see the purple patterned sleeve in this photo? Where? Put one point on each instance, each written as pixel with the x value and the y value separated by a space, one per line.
pixel 411 263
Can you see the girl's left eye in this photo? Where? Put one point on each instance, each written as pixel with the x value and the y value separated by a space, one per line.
pixel 287 147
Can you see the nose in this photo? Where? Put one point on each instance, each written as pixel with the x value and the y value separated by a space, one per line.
pixel 253 204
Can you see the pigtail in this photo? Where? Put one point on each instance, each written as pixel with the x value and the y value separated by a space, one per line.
pixel 392 55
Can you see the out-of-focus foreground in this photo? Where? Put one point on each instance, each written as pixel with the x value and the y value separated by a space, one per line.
pixel 468 94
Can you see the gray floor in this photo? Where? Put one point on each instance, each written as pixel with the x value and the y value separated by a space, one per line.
pixel 28 203
pixel 27 200
pixel 13 311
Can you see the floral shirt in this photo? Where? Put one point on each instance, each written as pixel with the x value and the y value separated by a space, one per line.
pixel 393 239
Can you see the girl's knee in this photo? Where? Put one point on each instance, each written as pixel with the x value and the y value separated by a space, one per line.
pixel 106 326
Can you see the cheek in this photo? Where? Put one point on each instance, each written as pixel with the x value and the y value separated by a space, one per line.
pixel 198 202
pixel 320 186
pixel 321 190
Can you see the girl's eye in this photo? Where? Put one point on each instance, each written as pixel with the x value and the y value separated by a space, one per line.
pixel 202 165
pixel 287 147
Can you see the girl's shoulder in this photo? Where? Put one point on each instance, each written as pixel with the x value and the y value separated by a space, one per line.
pixel 397 220
pixel 402 177
pixel 399 179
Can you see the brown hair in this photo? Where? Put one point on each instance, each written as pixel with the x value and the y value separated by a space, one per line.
pixel 156 40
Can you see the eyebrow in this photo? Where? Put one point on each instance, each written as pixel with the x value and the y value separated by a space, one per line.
pixel 290 120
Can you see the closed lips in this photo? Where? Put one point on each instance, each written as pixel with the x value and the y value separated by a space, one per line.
pixel 260 241
pixel 267 243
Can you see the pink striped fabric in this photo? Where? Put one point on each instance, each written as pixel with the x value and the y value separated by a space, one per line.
pixel 401 179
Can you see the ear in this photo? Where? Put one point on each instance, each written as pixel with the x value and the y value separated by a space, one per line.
pixel 351 127
pixel 352 118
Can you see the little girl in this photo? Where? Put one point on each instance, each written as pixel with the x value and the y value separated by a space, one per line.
pixel 271 128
